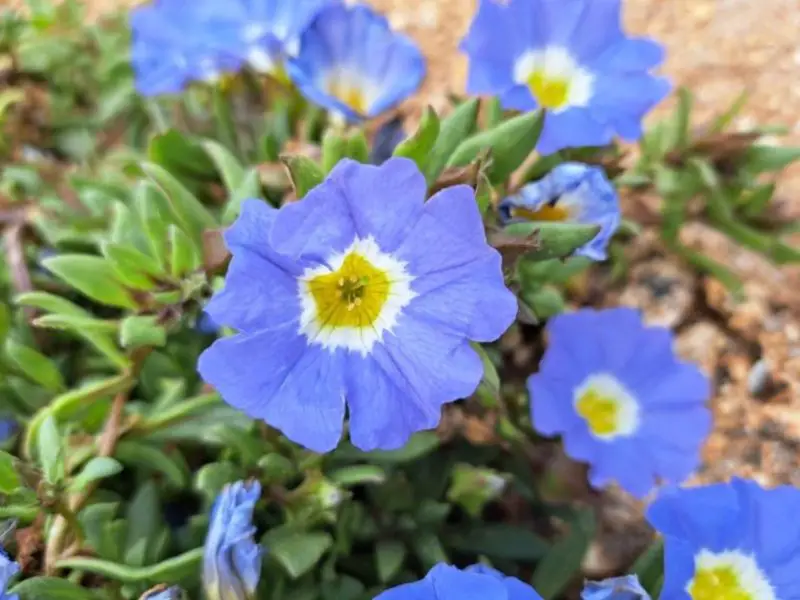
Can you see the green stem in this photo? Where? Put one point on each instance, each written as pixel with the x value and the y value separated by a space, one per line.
pixel 176 414
pixel 168 571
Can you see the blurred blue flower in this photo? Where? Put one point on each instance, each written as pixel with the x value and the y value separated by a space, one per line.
pixel 387 138
pixel 8 568
pixel 615 588
pixel 364 295
pixel 620 397
pixel 8 427
pixel 175 43
pixel 570 57
pixel 444 582
pixel 232 560
pixel 351 63
pixel 573 193
pixel 205 324
pixel 729 541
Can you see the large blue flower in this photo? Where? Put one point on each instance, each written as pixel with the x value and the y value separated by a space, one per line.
pixel 175 42
pixel 232 559
pixel 621 399
pixel 444 582
pixel 626 587
pixel 351 63
pixel 361 295
pixel 570 57
pixel 8 568
pixel 729 541
pixel 574 193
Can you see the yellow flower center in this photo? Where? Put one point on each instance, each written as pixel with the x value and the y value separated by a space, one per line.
pixel 600 411
pixel 543 213
pixel 550 92
pixel 717 583
pixel 351 296
pixel 280 75
pixel 349 95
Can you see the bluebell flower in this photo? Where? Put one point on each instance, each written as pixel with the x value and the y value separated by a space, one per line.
pixel 8 568
pixel 351 63
pixel 731 540
pixel 571 58
pixel 176 42
pixel 362 295
pixel 572 193
pixel 232 559
pixel 621 399
pixel 444 582
pixel 615 588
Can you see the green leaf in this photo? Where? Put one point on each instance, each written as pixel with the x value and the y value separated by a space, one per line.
pixel 184 257
pixel 554 240
pixel 510 142
pixel 681 121
pixel 649 566
pixel 95 520
pixel 51 451
pixel 418 147
pixel 334 149
pixel 144 522
pixel 92 276
pixel 762 159
pixel 250 187
pixel 177 153
pixel 81 325
pixel 36 366
pixel 489 389
pixel 212 477
pixel 357 146
pixel 454 130
pixel 304 173
pixel 227 165
pixel 135 269
pixel 9 480
pixel 152 206
pixel 51 303
pixel 5 321
pixel 563 562
pixel 99 467
pixel 137 331
pixel 429 549
pixel 358 475
pixel 499 541
pixel 419 445
pixel 185 207
pixel 149 458
pixel 296 551
pixel 546 302
pixel 50 588
pixel 389 558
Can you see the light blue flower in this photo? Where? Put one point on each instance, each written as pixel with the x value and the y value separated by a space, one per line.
pixel 444 582
pixel 573 193
pixel 232 559
pixel 268 31
pixel 8 568
pixel 362 295
pixel 351 63
pixel 175 43
pixel 621 399
pixel 615 588
pixel 729 540
pixel 570 57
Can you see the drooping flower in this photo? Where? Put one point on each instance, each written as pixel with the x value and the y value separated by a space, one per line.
pixel 8 568
pixel 615 588
pixel 232 558
pixel 614 389
pixel 269 30
pixel 444 582
pixel 175 43
pixel 732 540
pixel 573 193
pixel 351 63
pixel 569 57
pixel 361 295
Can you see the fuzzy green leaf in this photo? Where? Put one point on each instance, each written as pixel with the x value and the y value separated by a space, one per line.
pixel 418 147
pixel 138 331
pixel 304 173
pixel 93 277
pixel 99 467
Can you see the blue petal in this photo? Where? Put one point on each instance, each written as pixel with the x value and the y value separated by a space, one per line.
pixel 451 583
pixel 623 100
pixel 517 590
pixel 573 128
pixel 599 28
pixel 520 98
pixel 491 56
pixel 628 56
pixel 276 376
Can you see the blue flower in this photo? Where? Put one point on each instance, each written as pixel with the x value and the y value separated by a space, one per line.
pixel 232 559
pixel 8 427
pixel 615 588
pixel 444 582
pixel 175 43
pixel 268 31
pixel 362 295
pixel 351 63
pixel 388 136
pixel 620 397
pixel 574 193
pixel 8 568
pixel 162 592
pixel 570 57
pixel 732 540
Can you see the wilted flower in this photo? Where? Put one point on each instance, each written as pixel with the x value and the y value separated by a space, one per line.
pixel 444 582
pixel 569 57
pixel 615 588
pixel 175 43
pixel 620 397
pixel 351 63
pixel 362 295
pixel 8 568
pixel 232 560
pixel 571 193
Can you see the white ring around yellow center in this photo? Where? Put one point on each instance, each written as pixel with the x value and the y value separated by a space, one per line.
pixel 729 575
pixel 554 78
pixel 352 300
pixel 609 409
